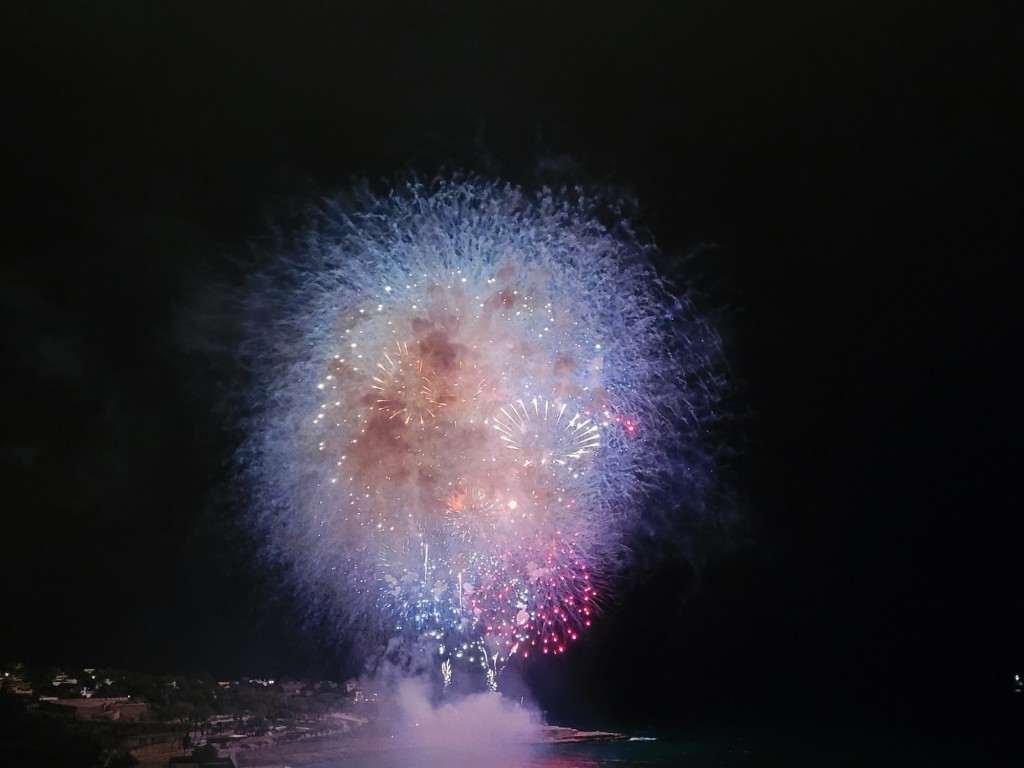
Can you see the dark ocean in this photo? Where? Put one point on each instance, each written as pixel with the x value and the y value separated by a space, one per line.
pixel 723 749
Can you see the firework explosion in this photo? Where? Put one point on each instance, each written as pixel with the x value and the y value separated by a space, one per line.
pixel 462 396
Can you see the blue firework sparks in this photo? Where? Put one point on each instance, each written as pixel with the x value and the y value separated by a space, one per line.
pixel 463 394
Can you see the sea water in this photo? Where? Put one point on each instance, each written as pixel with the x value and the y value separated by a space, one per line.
pixel 800 748
pixel 651 754
pixel 646 751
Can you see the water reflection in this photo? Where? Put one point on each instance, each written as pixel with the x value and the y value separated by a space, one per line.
pixel 641 754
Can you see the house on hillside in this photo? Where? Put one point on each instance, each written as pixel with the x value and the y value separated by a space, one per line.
pixel 113 708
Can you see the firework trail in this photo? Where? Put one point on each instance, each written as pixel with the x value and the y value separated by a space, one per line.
pixel 462 396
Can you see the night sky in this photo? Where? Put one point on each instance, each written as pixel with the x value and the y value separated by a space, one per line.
pixel 849 173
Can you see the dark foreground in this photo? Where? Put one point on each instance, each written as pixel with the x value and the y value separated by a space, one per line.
pixel 721 748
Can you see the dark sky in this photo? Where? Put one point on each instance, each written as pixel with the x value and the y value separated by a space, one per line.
pixel 856 166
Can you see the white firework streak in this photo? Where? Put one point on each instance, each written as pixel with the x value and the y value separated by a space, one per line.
pixel 463 396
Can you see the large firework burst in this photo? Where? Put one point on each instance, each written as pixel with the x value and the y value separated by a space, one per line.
pixel 462 396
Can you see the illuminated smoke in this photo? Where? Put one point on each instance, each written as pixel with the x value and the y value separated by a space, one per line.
pixel 463 396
